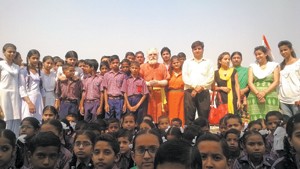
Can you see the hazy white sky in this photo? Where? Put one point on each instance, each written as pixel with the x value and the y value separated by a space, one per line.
pixel 94 28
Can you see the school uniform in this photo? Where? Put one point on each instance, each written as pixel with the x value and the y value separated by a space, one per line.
pixel 64 158
pixel 92 92
pixel 112 83
pixel 69 93
pixel 245 163
pixel 48 87
pixel 135 88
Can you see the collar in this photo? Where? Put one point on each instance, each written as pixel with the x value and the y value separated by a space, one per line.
pixel 198 61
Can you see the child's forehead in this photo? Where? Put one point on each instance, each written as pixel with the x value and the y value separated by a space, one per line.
pixel 113 124
pixel 233 120
pixel 272 117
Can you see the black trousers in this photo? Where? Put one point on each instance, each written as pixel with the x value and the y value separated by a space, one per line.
pixel 201 103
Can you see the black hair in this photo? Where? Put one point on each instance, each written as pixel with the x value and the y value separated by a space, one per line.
pixel 250 133
pixel 9 135
pixel 52 109
pixel 47 58
pixel 82 61
pixel 114 57
pixel 125 133
pixel 236 53
pixel 221 56
pixel 91 135
pixel 232 131
pixel 190 133
pixel 66 66
pixel 17 55
pixel 178 120
pixel 233 116
pixel 290 126
pixel 252 123
pixel 174 151
pixel 58 59
pixel 125 61
pixel 104 63
pixel 181 55
pixel 214 137
pixel 71 54
pixel 102 123
pixel 135 63
pixel 154 132
pixel 8 45
pixel 201 122
pixel 162 117
pixel 112 141
pixel 44 139
pixel 105 57
pixel 197 43
pixel 2 124
pixel 139 52
pixel 92 63
pixel 93 127
pixel 126 115
pixel 80 125
pixel 274 113
pixel 113 120
pixel 129 54
pixel 175 131
pixel 55 123
pixel 290 46
pixel 33 121
pixel 150 123
pixel 164 49
pixel 29 54
pixel 264 50
pixel 148 115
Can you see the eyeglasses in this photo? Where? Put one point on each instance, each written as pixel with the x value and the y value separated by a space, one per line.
pixel 83 144
pixel 142 150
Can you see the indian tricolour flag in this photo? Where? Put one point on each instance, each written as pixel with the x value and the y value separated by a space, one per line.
pixel 266 44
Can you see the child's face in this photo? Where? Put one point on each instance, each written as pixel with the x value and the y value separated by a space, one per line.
pixel 255 127
pixel 140 58
pixel 103 70
pixel 9 53
pixel 6 151
pixel 48 115
pixel 58 64
pixel 69 72
pixel 129 123
pixel 144 126
pixel 232 141
pixel 34 60
pixel 212 155
pixel 163 124
pixel 125 67
pixel 113 127
pixel 72 61
pixel 255 147
pixel 44 157
pixel 222 128
pixel 143 158
pixel 130 58
pixel 166 56
pixel 115 64
pixel 27 129
pixel 295 139
pixel 124 144
pixel 234 123
pixel 176 64
pixel 103 155
pixel 71 119
pixel 88 69
pixel 83 67
pixel 48 64
pixel 83 147
pixel 272 123
pixel 176 124
pixel 135 70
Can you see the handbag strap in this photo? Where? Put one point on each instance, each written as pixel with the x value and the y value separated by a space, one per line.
pixel 220 99
pixel 213 98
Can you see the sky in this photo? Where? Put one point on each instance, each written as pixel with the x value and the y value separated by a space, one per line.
pixel 94 28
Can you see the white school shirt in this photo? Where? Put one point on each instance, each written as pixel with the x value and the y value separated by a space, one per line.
pixel 197 73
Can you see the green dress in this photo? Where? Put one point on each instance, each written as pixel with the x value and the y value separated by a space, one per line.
pixel 259 110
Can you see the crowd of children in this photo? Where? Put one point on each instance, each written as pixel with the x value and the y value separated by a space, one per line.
pixel 74 117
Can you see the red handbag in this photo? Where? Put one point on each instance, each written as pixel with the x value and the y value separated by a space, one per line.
pixel 217 113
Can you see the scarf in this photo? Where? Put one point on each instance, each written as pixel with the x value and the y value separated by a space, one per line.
pixel 226 75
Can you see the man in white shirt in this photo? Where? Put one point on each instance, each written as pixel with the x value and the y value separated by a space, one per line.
pixel 197 75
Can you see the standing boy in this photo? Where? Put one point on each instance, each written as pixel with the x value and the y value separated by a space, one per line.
pixel 68 92
pixel 136 91
pixel 91 103
pixel 111 84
